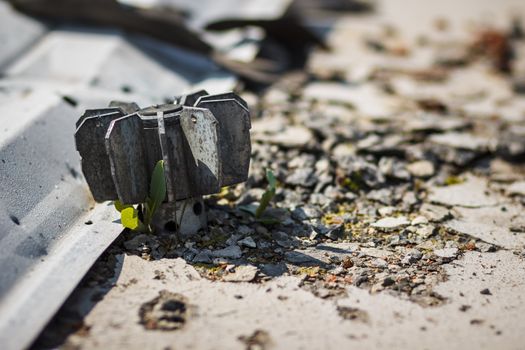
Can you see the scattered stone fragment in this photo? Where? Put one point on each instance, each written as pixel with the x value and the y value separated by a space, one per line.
pixel 512 143
pixel 202 257
pixel 276 131
pixel 304 177
pixel 485 247
pixel 485 291
pixel 412 256
pixel 378 262
pixel 422 168
pixel 419 220
pixel 243 273
pixel 434 213
pixel 391 223
pixel 517 189
pixel 446 253
pixel 458 140
pixel 297 257
pixel 386 211
pixel 231 252
pixel 247 242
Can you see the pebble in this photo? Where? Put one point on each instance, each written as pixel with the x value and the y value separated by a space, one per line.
pixel 485 291
pixel 304 177
pixel 202 257
pixel 422 168
pixel 247 242
pixel 231 252
pixel 386 211
pixel 465 141
pixel 412 256
pixel 391 223
pixel 378 262
pixel 434 213
pixel 299 258
pixel 419 220
pixel 243 273
pixel 485 247
pixel 517 188
pixel 446 253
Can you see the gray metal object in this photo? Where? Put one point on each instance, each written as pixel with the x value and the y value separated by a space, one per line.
pixel 203 139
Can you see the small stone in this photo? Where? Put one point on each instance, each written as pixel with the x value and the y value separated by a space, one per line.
pixel 388 281
pixel 391 223
pixel 425 231
pixel 247 242
pixel 386 211
pixel 304 177
pixel 410 198
pixel 231 252
pixel 347 262
pixel 307 212
pixel 202 257
pixel 314 235
pixel 422 168
pixel 516 189
pixel 335 232
pixel 244 230
pixel 446 253
pixel 434 213
pixel 412 256
pixel 282 239
pixel 339 270
pixel 260 229
pixel 243 273
pixel 485 247
pixel 485 291
pixel 461 140
pixel 380 263
pixel 299 258
pixel 419 220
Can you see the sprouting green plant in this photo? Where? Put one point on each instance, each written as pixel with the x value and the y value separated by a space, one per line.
pixel 139 218
pixel 266 198
pixel 267 195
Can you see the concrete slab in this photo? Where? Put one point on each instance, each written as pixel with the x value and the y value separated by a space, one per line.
pixel 296 319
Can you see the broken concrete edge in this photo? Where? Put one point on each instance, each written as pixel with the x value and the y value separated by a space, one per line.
pixel 37 296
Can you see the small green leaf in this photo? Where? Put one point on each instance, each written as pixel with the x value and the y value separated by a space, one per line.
pixel 119 206
pixel 157 191
pixel 268 194
pixel 248 208
pixel 129 218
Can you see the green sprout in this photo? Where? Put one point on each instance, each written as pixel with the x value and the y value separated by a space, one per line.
pixel 267 195
pixel 266 198
pixel 139 218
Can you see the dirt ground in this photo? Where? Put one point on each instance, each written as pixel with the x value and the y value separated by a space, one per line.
pixel 399 216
